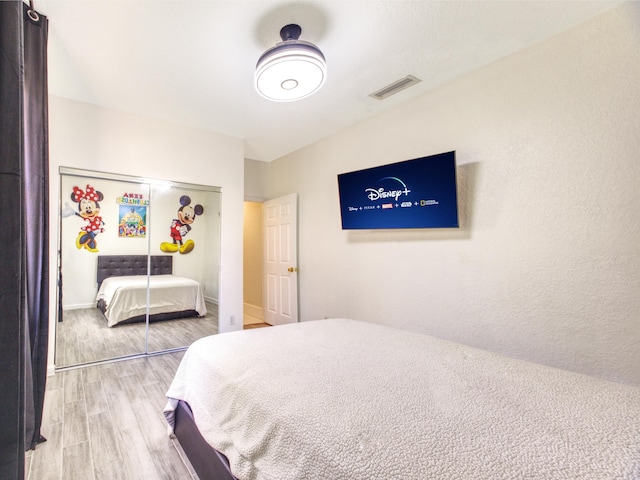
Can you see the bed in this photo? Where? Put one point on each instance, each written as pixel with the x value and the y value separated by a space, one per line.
pixel 122 290
pixel 345 399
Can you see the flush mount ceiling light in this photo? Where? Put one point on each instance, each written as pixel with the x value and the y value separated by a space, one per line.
pixel 291 70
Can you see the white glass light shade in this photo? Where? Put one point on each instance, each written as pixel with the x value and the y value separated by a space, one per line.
pixel 291 70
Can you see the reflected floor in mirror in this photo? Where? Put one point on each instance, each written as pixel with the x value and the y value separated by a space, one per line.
pixel 84 337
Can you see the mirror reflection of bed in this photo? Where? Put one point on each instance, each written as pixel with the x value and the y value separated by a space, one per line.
pixel 130 287
pixel 117 326
pixel 84 333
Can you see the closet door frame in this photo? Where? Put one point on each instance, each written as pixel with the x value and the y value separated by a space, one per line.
pixel 151 185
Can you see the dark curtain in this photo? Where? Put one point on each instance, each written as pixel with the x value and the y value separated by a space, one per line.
pixel 24 259
pixel 35 194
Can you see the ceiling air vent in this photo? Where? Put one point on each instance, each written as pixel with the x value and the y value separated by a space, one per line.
pixel 395 87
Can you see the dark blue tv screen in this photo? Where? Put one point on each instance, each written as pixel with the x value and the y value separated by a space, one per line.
pixel 419 193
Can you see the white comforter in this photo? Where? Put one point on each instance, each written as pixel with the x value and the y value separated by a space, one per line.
pixel 342 399
pixel 126 296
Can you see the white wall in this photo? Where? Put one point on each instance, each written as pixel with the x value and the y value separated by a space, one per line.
pixel 256 186
pixel 546 264
pixel 89 137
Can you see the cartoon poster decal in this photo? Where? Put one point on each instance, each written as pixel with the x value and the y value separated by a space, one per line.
pixel 89 211
pixel 181 226
pixel 132 222
pixel 132 216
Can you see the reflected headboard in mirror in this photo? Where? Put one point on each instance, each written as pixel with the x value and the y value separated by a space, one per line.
pixel 124 265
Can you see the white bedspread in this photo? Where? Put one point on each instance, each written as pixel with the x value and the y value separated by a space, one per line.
pixel 342 399
pixel 126 296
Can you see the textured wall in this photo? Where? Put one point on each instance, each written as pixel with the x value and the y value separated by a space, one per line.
pixel 546 264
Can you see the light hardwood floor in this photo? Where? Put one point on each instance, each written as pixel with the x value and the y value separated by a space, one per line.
pixel 105 422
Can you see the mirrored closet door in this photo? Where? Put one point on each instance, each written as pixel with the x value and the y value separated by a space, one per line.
pixel 185 226
pixel 138 266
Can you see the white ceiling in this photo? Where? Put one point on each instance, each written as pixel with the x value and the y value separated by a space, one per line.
pixel 192 61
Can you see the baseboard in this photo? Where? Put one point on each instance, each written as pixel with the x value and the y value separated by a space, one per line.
pixel 211 300
pixel 253 310
pixel 78 306
pixel 252 314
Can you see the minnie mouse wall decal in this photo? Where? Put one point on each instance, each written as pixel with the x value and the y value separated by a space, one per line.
pixel 181 226
pixel 89 210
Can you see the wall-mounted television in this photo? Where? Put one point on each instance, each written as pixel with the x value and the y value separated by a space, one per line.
pixel 418 193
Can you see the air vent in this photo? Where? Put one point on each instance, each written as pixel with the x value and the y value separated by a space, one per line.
pixel 395 87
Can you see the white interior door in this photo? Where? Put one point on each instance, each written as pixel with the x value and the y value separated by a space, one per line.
pixel 280 260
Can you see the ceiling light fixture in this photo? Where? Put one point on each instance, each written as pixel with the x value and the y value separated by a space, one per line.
pixel 291 70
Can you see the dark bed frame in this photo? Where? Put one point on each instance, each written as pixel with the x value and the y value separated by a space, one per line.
pixel 208 463
pixel 125 265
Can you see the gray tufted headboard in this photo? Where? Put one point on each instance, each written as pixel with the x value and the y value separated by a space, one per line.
pixel 122 265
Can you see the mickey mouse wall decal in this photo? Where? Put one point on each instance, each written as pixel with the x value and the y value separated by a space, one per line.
pixel 181 226
pixel 89 210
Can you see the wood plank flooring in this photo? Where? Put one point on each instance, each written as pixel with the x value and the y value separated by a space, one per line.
pixel 105 422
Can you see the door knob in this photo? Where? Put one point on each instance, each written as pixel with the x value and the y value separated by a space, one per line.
pixel 292 269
